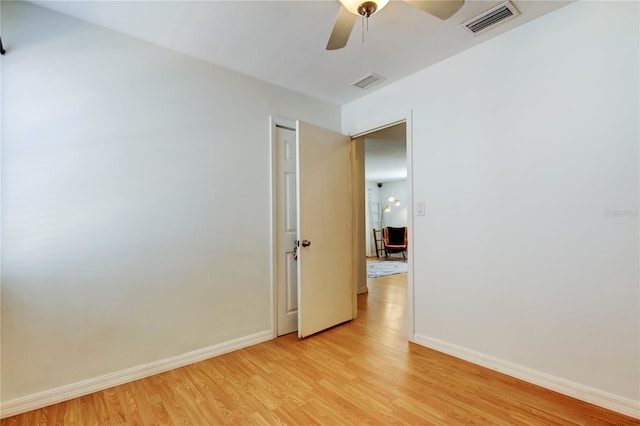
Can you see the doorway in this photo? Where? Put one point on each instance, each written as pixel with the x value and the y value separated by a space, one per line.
pixel 359 222
pixel 385 183
pixel 400 129
pixel 385 193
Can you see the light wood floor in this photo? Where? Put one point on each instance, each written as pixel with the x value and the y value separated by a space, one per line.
pixel 363 372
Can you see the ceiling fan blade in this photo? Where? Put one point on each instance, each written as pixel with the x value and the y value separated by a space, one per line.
pixel 443 9
pixel 341 29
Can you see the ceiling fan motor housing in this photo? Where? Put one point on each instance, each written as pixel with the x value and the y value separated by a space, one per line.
pixel 367 8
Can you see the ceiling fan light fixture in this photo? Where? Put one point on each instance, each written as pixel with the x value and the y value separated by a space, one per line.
pixel 343 26
pixel 364 8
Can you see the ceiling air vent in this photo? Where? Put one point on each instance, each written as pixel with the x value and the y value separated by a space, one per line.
pixel 368 81
pixel 492 17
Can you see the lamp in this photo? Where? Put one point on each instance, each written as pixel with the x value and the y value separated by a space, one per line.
pixel 364 8
pixel 391 200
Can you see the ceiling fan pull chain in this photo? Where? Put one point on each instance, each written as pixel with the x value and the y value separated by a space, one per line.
pixel 365 24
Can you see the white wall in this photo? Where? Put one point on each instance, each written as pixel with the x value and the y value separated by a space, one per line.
pixel 525 150
pixel 136 201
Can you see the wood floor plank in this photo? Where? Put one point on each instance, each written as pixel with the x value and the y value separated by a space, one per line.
pixel 362 372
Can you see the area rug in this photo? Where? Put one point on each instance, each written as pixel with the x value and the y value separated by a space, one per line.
pixel 389 267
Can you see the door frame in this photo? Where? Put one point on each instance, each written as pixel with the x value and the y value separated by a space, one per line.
pixel 273 209
pixel 275 121
pixel 362 129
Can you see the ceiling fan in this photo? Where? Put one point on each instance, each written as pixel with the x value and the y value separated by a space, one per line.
pixel 351 9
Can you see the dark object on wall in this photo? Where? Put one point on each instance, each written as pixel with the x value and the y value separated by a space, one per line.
pixel 2 51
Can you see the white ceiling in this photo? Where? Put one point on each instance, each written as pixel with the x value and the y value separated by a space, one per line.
pixel 385 154
pixel 283 42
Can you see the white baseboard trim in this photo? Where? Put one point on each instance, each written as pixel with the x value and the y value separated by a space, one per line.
pixel 85 387
pixel 593 396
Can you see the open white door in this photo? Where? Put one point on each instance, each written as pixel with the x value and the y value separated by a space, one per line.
pixel 325 255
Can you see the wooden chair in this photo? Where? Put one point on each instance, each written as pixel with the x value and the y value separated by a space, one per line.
pixel 395 241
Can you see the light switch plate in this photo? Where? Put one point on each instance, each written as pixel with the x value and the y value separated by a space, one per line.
pixel 420 211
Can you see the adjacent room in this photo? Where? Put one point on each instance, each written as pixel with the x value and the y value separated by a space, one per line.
pixel 140 216
pixel 386 184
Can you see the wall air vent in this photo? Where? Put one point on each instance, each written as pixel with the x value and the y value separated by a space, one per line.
pixel 368 81
pixel 492 17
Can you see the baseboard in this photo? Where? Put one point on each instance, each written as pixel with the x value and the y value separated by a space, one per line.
pixel 363 290
pixel 593 396
pixel 85 387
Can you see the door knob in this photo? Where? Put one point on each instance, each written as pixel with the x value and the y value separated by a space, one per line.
pixel 306 243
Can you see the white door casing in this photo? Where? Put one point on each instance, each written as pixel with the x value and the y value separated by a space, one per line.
pixel 379 123
pixel 286 230
pixel 325 267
